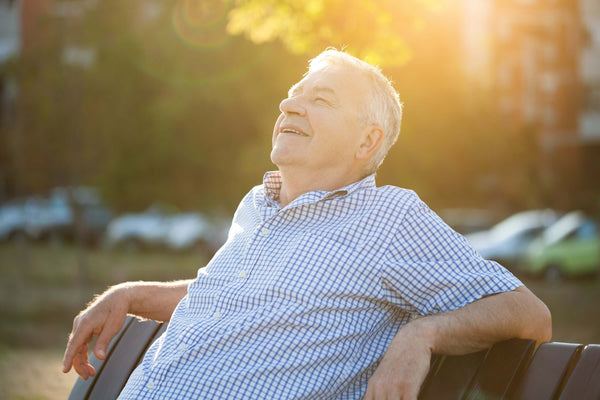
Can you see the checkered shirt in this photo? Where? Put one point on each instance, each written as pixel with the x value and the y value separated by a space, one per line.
pixel 302 301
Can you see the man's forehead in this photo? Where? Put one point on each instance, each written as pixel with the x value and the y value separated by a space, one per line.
pixel 300 87
pixel 326 79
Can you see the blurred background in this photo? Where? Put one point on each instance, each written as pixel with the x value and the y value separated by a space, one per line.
pixel 129 131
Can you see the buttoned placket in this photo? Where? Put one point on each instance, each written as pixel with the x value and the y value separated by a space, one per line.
pixel 150 385
pixel 261 235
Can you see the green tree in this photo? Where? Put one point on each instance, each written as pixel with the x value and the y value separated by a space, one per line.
pixel 377 30
pixel 176 109
pixel 155 117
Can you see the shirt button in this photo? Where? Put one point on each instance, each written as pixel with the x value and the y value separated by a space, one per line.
pixel 150 385
pixel 265 232
pixel 181 347
pixel 242 274
pixel 217 315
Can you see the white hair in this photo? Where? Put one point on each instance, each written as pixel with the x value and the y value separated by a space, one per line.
pixel 382 106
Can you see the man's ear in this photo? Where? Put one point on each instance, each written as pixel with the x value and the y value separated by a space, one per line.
pixel 372 139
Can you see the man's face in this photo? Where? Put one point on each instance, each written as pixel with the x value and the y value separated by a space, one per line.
pixel 319 127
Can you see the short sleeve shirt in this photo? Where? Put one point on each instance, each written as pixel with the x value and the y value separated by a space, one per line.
pixel 301 302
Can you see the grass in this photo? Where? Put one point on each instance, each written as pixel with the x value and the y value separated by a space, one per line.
pixel 42 288
pixel 33 374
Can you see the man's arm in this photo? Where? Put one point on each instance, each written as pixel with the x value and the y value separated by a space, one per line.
pixel 518 313
pixel 105 316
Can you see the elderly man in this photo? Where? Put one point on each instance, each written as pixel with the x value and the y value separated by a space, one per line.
pixel 328 287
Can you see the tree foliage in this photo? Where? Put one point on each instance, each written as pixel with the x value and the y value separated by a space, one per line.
pixel 175 109
pixel 153 119
pixel 377 30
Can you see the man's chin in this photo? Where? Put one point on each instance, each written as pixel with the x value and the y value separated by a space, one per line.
pixel 281 157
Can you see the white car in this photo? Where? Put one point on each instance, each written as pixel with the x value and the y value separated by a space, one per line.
pixel 52 218
pixel 507 241
pixel 12 221
pixel 34 218
pixel 157 229
pixel 135 231
pixel 188 231
pixel 47 218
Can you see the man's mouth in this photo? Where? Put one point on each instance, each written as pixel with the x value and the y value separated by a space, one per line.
pixel 293 131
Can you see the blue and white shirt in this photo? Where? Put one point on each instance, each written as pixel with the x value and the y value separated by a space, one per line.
pixel 302 301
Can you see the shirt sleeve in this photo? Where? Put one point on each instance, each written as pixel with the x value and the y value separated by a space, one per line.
pixel 429 268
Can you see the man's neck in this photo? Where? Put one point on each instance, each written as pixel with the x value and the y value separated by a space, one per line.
pixel 295 183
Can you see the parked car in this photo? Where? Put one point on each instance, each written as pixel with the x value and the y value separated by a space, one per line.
pixel 24 219
pixel 12 221
pixel 49 219
pixel 135 231
pixel 507 241
pixel 159 229
pixel 86 204
pixel 194 231
pixel 53 218
pixel 568 248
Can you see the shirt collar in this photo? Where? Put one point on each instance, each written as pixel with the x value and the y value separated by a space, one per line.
pixel 272 188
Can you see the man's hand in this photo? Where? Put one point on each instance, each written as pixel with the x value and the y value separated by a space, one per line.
pixel 103 318
pixel 402 369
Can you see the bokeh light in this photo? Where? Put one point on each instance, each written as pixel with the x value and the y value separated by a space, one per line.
pixel 201 24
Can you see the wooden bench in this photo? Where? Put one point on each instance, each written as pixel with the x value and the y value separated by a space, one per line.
pixel 509 370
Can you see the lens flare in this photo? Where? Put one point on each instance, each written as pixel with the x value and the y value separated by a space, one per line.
pixel 201 24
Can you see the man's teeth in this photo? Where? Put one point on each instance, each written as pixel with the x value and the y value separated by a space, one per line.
pixel 288 130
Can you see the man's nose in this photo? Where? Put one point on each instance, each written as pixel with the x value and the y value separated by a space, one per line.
pixel 292 105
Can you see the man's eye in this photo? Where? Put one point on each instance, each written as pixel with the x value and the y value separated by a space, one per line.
pixel 322 100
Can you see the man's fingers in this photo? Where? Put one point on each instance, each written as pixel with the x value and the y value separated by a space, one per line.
pixel 82 366
pixel 110 329
pixel 79 366
pixel 103 318
pixel 70 352
pixel 78 340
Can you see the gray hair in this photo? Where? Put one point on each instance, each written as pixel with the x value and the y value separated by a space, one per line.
pixel 382 105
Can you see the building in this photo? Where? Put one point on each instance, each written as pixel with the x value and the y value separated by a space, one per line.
pixel 542 59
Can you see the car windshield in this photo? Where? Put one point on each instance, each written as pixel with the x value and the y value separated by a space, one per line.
pixel 519 223
pixel 563 227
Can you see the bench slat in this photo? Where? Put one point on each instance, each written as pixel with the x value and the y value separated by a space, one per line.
pixel 434 364
pixel 81 389
pixel 584 382
pixel 162 328
pixel 548 368
pixel 509 370
pixel 451 379
pixel 504 363
pixel 120 365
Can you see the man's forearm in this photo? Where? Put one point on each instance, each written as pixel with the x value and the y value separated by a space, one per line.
pixel 152 300
pixel 474 327
pixel 518 313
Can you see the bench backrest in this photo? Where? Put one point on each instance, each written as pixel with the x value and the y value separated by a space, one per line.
pixel 512 370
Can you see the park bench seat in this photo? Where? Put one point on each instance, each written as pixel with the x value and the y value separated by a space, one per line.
pixel 512 369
